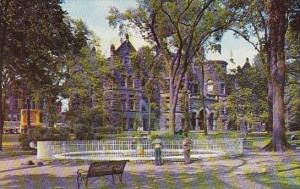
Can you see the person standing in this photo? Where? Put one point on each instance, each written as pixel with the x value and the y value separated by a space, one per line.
pixel 157 143
pixel 187 148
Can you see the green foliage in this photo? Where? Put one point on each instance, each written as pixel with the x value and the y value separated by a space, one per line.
pixel 44 134
pixel 35 41
pixel 294 104
pixel 247 96
pixel 152 136
pixel 83 85
pixel 175 29
pixel 83 132
pixel 24 140
pixel 165 136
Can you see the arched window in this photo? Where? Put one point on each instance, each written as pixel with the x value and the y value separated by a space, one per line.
pixel 210 87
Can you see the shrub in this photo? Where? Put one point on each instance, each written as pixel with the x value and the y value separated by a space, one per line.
pixel 43 134
pixel 38 133
pixel 294 126
pixel 100 137
pixel 24 140
pixel 152 136
pixel 104 130
pixel 166 136
pixel 83 132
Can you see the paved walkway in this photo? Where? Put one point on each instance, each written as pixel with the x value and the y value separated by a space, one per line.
pixel 254 170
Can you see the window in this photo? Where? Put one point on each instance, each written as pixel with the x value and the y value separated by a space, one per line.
pixel 224 67
pixel 223 110
pixel 222 88
pixel 131 124
pixel 210 87
pixel 111 102
pixel 20 103
pixel 194 88
pixel 123 104
pixel 124 124
pixel 166 84
pixel 131 104
pixel 123 78
pixel 129 82
pixel 167 123
pixel 145 124
pixel 166 105
pixel 133 83
pixel 144 106
pixel 182 123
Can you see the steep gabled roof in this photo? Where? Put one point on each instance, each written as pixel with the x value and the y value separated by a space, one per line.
pixel 125 45
pixel 246 65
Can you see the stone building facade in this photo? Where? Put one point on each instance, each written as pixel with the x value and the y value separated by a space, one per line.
pixel 123 90
pixel 212 82
pixel 126 104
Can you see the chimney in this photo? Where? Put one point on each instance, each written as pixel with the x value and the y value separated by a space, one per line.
pixel 218 48
pixel 112 50
pixel 127 37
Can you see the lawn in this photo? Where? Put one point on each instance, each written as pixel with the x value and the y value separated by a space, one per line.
pixel 253 170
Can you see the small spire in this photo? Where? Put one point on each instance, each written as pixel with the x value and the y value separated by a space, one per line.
pixel 247 60
pixel 127 37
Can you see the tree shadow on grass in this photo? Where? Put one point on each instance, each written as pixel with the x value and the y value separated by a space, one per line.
pixel 69 163
pixel 162 179
pixel 37 181
pixel 290 169
pixel 178 179
pixel 267 180
pixel 19 168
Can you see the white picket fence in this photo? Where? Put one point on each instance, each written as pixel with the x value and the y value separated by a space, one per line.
pixel 135 149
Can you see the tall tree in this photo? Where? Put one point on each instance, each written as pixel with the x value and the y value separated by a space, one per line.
pixel 277 28
pixel 148 71
pixel 177 30
pixel 253 27
pixel 83 84
pixel 247 94
pixel 32 34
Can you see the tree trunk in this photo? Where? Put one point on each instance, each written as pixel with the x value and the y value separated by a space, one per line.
pixel 28 114
pixel 186 129
pixel 2 44
pixel 149 115
pixel 277 63
pixel 1 112
pixel 203 99
pixel 172 118
pixel 270 104
pixel 172 106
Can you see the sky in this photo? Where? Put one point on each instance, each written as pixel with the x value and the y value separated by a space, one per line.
pixel 94 12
